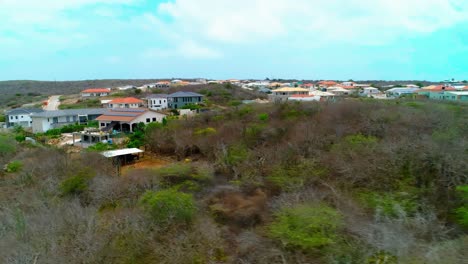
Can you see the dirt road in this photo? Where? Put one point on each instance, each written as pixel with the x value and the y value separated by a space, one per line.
pixel 53 103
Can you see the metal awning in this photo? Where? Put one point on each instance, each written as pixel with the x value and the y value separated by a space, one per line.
pixel 121 152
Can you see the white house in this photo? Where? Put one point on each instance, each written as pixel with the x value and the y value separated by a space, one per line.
pixel 397 92
pixel 126 120
pixel 369 91
pixel 46 120
pixel 128 102
pixel 157 101
pixel 20 117
pixel 95 92
pixel 282 94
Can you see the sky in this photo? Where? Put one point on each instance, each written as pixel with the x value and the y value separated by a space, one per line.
pixel 242 39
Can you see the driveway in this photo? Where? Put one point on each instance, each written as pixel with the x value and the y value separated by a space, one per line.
pixel 53 103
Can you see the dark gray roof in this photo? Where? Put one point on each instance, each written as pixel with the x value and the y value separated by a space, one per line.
pixel 71 112
pixel 23 111
pixel 185 94
pixel 157 96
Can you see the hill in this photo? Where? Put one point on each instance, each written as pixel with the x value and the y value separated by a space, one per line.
pixel 348 182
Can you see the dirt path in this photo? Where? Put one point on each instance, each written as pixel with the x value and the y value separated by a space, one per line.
pixel 53 103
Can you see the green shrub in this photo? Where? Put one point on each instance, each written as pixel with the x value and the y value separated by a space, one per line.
pixel 389 203
pixel 78 183
pixel 181 175
pixel 99 147
pixel 306 226
pixel 20 138
pixel 7 145
pixel 14 166
pixel 293 177
pixel 263 117
pixel 462 212
pixel 2 118
pixel 205 131
pixel 168 206
pixel 359 140
pixel 236 154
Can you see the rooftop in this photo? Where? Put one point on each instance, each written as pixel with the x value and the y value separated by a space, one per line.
pixel 70 112
pixel 185 94
pixel 96 90
pixel 127 100
pixel 24 111
pixel 290 89
pixel 121 152
pixel 157 96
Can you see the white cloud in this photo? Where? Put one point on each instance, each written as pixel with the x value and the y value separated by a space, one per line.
pixel 187 49
pixel 361 21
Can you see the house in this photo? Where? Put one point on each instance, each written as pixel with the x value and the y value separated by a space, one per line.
pixel 339 91
pixel 369 91
pixel 126 120
pixel 427 91
pixel 282 94
pixel 46 120
pixel 461 96
pixel 157 101
pixel 397 92
pixel 95 92
pixel 126 87
pixel 304 98
pixel 128 102
pixel 326 84
pixel 20 117
pixel 181 99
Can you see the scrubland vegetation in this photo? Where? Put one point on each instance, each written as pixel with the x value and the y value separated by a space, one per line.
pixel 349 182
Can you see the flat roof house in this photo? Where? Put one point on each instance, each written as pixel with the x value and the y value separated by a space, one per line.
pixel 282 94
pixel 126 120
pixel 157 101
pixel 44 121
pixel 95 92
pixel 20 117
pixel 181 99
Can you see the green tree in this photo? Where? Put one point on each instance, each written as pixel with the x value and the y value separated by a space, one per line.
pixel 167 207
pixel 306 226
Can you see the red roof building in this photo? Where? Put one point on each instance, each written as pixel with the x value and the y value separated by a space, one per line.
pixel 129 102
pixel 94 92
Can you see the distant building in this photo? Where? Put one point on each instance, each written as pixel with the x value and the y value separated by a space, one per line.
pixel 181 99
pixel 128 102
pixel 46 120
pixel 126 120
pixel 326 84
pixel 460 96
pixel 20 117
pixel 397 92
pixel 95 92
pixel 282 94
pixel 157 101
pixel 369 91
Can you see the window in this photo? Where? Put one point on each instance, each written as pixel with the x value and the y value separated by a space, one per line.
pixel 21 116
pixel 159 101
pixel 154 119
pixel 148 120
pixel 11 117
pixel 16 117
pixel 103 124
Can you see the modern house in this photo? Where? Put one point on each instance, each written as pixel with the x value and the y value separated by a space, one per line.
pixel 44 121
pixel 128 102
pixel 427 91
pixel 460 96
pixel 326 84
pixel 282 94
pixel 126 120
pixel 95 92
pixel 181 99
pixel 370 91
pixel 20 117
pixel 397 92
pixel 157 101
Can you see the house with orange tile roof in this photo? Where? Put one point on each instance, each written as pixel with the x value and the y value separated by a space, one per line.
pixel 128 102
pixel 126 119
pixel 326 84
pixel 95 92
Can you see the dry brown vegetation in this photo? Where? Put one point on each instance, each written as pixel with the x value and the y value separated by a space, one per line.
pixel 381 174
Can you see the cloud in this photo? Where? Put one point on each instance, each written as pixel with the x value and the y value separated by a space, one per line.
pixel 188 49
pixel 356 21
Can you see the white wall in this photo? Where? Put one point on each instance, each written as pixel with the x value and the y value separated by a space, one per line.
pixel 157 103
pixel 23 120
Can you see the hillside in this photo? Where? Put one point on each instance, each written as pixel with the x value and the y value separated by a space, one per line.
pixel 349 182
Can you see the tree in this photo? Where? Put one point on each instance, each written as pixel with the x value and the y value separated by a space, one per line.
pixel 306 226
pixel 168 206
